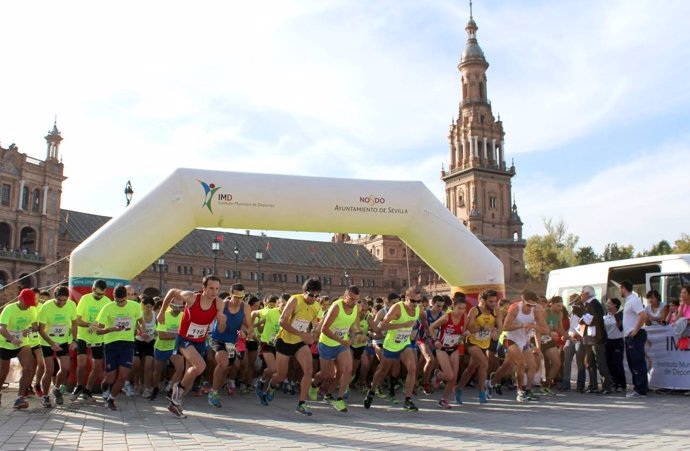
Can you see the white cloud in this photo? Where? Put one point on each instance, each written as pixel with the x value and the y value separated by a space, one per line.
pixel 638 202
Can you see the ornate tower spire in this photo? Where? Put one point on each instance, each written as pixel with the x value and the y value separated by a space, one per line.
pixel 53 138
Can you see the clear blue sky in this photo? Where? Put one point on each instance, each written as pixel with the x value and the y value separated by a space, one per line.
pixel 593 95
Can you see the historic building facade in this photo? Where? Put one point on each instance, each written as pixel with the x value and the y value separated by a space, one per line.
pixel 29 214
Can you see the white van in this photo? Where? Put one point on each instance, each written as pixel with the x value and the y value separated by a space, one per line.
pixel 664 273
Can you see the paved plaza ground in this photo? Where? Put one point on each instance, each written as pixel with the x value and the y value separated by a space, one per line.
pixel 571 421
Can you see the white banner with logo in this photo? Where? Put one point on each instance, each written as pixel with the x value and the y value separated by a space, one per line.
pixel 668 366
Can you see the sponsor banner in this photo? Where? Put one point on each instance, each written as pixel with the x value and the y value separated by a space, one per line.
pixel 80 286
pixel 668 366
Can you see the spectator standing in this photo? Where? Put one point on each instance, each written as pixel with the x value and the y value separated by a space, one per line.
pixel 634 318
pixel 615 345
pixel 595 341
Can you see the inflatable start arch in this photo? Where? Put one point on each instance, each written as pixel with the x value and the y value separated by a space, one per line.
pixel 191 198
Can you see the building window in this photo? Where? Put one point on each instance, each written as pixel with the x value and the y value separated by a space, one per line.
pixel 6 194
pixel 516 237
pixel 179 269
pixel 493 202
pixel 36 201
pixel 25 198
pixel 391 251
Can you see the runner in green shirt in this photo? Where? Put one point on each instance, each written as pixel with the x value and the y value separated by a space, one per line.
pixel 164 349
pixel 88 308
pixel 57 325
pixel 117 322
pixel 16 324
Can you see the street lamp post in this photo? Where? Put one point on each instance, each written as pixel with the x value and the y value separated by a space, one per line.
pixel 161 264
pixel 215 248
pixel 236 251
pixel 259 257
pixel 128 192
pixel 347 278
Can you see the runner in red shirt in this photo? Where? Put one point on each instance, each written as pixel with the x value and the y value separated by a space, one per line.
pixel 200 310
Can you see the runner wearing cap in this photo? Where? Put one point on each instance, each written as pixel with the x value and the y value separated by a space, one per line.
pixel 16 324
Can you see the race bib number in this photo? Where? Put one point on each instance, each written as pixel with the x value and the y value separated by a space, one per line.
pixel 450 341
pixel 402 336
pixel 231 349
pixel 301 325
pixel 150 331
pixel 197 330
pixel 341 333
pixel 482 335
pixel 124 323
pixel 57 331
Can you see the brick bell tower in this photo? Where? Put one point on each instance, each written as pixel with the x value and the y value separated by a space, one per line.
pixel 478 182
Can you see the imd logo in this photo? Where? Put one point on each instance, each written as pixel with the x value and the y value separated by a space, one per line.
pixel 209 190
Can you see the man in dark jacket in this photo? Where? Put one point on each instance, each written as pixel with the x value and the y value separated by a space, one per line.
pixel 594 333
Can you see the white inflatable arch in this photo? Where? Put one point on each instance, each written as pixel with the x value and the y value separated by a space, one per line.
pixel 191 198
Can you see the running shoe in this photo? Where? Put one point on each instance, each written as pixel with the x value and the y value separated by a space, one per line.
pixel 176 410
pixel 214 398
pixel 146 393
pixel 531 396
pixel 409 406
pixel 21 403
pixel 458 396
pixel 38 391
pixel 128 388
pixel 86 395
pixel 293 388
pixel 634 394
pixel 368 399
pixel 75 393
pixel 46 402
pixel 270 393
pixel 154 394
pixel 426 388
pixel 547 391
pixel 313 392
pixel 378 392
pixel 106 394
pixel 346 395
pixel 111 403
pixel 498 389
pixel 482 397
pixel 521 396
pixel 393 400
pixel 58 396
pixel 176 395
pixel 328 398
pixel 444 404
pixel 303 409
pixel 206 387
pixel 339 405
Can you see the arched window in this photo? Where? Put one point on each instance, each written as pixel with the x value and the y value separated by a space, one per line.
pixel 516 236
pixel 5 236
pixel 36 201
pixel 28 240
pixel 481 90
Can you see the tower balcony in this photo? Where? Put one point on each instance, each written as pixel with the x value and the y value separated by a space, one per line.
pixel 25 256
pixel 474 100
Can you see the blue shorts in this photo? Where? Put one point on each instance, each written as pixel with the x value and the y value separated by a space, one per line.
pixel 394 355
pixel 162 356
pixel 181 342
pixel 330 352
pixel 118 354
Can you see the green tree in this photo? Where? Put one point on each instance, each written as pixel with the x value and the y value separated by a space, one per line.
pixel 614 251
pixel 586 255
pixel 682 244
pixel 663 247
pixel 555 249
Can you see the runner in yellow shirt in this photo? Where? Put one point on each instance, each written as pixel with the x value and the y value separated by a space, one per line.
pixel 88 308
pixel 118 322
pixel 57 325
pixel 16 324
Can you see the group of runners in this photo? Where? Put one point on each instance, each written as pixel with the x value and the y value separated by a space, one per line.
pixel 323 349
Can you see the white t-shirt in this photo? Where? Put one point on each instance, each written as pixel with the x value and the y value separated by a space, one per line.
pixel 631 312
